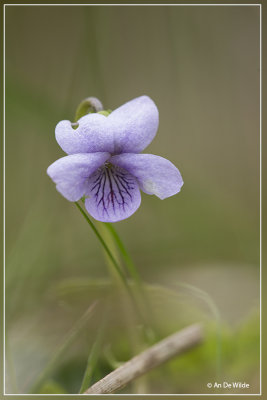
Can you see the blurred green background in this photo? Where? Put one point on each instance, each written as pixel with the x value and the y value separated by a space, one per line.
pixel 201 67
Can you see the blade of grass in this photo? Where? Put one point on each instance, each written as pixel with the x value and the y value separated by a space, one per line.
pixel 91 362
pixel 67 341
pixel 201 294
pixel 214 309
pixel 94 354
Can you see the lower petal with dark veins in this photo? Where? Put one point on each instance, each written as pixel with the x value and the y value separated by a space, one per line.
pixel 113 194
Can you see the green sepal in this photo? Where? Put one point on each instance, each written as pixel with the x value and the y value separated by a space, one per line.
pixel 88 106
pixel 105 112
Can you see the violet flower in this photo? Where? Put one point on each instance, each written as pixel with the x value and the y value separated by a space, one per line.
pixel 104 165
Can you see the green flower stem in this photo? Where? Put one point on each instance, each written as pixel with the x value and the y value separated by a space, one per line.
pixel 127 258
pixel 113 261
pixel 133 272
pixel 135 335
pixel 100 226
pixel 106 248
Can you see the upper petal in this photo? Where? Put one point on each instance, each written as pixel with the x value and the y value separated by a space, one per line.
pixel 155 174
pixel 92 135
pixel 134 124
pixel 71 173
pixel 113 194
pixel 130 128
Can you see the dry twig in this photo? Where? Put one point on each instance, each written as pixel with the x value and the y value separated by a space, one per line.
pixel 151 358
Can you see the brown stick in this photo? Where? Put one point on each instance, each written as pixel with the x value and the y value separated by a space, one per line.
pixel 154 356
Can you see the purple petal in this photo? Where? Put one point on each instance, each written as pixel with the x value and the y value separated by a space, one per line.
pixel 71 173
pixel 134 124
pixel 113 194
pixel 92 134
pixel 155 174
pixel 130 128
